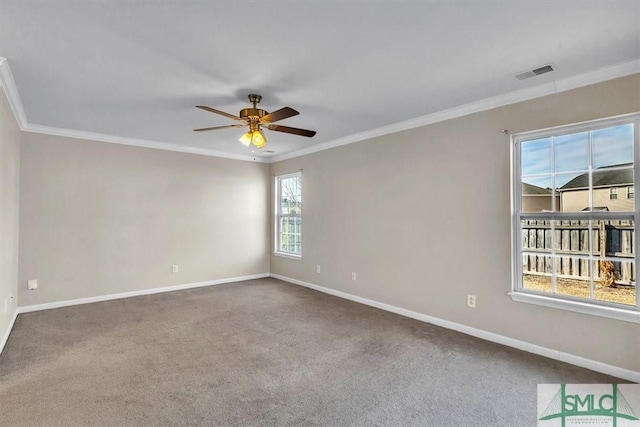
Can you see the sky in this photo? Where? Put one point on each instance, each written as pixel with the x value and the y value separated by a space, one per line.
pixel 609 146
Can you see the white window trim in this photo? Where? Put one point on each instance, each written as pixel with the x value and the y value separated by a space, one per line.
pixel 276 225
pixel 287 255
pixel 595 308
pixel 582 306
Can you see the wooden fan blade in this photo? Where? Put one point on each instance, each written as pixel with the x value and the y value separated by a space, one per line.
pixel 222 113
pixel 280 114
pixel 295 131
pixel 217 127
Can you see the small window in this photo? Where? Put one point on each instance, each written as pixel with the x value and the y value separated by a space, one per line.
pixel 288 238
pixel 574 239
pixel 613 193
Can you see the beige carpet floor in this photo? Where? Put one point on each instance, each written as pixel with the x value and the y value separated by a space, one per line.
pixel 258 353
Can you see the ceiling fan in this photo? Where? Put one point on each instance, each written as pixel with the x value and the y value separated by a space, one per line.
pixel 257 118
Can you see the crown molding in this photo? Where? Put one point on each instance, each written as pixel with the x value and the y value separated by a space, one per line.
pixel 592 77
pixel 100 137
pixel 557 86
pixel 10 89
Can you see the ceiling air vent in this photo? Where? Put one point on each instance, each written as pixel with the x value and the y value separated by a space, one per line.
pixel 535 72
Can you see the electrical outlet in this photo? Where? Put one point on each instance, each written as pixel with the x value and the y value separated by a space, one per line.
pixel 471 301
pixel 318 268
pixel 174 268
pixel 32 285
pixel 353 275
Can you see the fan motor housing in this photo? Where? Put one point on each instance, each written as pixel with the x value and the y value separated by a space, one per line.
pixel 252 113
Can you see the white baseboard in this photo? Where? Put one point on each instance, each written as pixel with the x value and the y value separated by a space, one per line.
pixel 67 303
pixel 5 337
pixel 593 365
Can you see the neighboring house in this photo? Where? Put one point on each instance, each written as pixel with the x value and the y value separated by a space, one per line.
pixel 536 199
pixel 612 190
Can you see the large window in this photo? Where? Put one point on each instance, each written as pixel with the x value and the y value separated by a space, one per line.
pixel 288 227
pixel 574 237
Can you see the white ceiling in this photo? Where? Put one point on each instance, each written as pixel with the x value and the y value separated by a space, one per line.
pixel 136 70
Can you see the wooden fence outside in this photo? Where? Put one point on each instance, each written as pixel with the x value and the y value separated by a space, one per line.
pixel 609 238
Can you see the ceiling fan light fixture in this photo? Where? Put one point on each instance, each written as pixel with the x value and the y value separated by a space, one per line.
pixel 258 139
pixel 247 138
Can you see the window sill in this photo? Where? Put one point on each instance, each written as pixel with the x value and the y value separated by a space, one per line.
pixel 287 255
pixel 625 315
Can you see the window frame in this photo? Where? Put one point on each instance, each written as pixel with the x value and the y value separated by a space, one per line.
pixel 592 307
pixel 613 193
pixel 278 215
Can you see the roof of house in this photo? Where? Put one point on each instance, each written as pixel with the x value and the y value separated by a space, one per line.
pixel 602 178
pixel 530 189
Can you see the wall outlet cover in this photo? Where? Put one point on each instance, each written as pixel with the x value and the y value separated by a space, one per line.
pixel 471 301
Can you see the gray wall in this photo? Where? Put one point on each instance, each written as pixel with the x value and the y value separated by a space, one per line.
pixel 423 217
pixel 9 212
pixel 99 218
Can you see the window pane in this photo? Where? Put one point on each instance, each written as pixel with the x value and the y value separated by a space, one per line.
pixel 290 236
pixel 612 146
pixel 536 235
pixel 571 237
pixel 291 195
pixel 573 192
pixel 536 194
pixel 615 281
pixel 571 152
pixel 536 273
pixel 613 238
pixel 573 277
pixel 535 156
pixel 610 189
pixel 569 267
pixel 615 278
